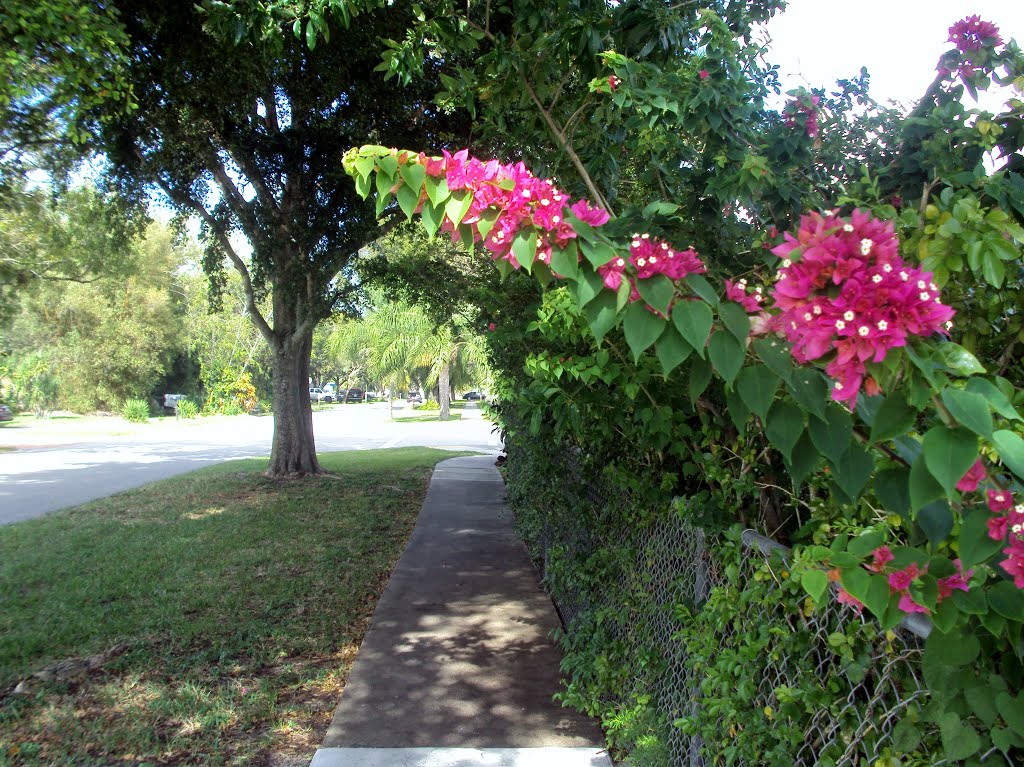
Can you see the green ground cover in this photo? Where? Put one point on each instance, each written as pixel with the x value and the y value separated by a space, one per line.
pixel 209 619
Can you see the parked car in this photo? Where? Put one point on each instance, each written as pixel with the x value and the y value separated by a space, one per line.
pixel 5 413
pixel 415 398
pixel 316 394
pixel 473 395
pixel 351 395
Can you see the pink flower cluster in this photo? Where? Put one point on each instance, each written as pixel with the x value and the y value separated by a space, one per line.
pixel 521 199
pixel 901 580
pixel 650 256
pixel 969 35
pixel 806 107
pixel 739 293
pixel 1008 526
pixel 843 288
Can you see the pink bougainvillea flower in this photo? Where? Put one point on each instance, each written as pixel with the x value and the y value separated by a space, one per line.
pixel 955 582
pixel 737 292
pixel 806 107
pixel 969 482
pixel 704 74
pixel 844 291
pixel 908 605
pixel 589 215
pixel 1014 562
pixel 901 579
pixel 613 82
pixel 880 557
pixel 971 33
pixel 845 598
pixel 612 272
pixel 997 527
pixel 999 500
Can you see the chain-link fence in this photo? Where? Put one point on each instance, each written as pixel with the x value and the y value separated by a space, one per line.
pixel 657 567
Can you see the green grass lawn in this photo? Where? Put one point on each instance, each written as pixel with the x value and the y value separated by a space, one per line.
pixel 209 619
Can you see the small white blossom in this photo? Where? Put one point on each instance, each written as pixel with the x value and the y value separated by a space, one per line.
pixel 924 297
pixel 949 325
pixel 654 259
pixel 840 325
pixel 865 246
pixel 787 263
pixel 904 276
pixel 848 316
pixel 848 227
pixel 876 279
pixel 887 268
pixel 839 386
pixel 816 310
pixel 641 262
pixel 808 317
pixel 883 325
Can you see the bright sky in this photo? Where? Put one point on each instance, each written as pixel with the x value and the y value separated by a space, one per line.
pixel 816 42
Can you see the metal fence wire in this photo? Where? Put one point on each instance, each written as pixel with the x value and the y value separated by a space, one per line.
pixel 668 564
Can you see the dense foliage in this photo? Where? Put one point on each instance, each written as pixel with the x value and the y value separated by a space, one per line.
pixel 836 397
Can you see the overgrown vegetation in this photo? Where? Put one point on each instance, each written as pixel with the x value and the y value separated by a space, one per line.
pixel 208 619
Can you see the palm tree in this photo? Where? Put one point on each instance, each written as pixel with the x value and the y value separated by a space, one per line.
pixel 404 347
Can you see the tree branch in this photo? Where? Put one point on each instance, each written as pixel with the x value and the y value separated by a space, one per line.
pixel 187 201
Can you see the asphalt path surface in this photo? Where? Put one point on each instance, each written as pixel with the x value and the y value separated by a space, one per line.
pixel 47 471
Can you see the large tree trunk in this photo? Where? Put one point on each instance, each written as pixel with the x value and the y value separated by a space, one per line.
pixel 294 452
pixel 444 392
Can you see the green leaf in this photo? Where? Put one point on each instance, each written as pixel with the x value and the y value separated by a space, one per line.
pixel 736 320
pixel 1011 450
pixel 365 165
pixel 853 470
pixel 810 390
pixel 407 201
pixel 804 460
pixel 973 602
pixel 438 193
pixel 524 248
pixel 700 377
pixel 865 543
pixel 980 699
pixel 877 597
pixel 726 354
pixel 693 319
pixel 892 487
pixel 388 166
pixel 757 386
pixel 856 581
pixel 956 650
pixel 832 435
pixel 702 288
pixel 936 521
pixel 959 740
pixel 413 174
pixel 738 412
pixel 948 454
pixel 784 426
pixel 905 736
pixel 923 487
pixel 815 583
pixel 969 409
pixel 996 399
pixel 642 328
pixel 431 217
pixel 657 291
pixel 310 35
pixel 565 261
pixel 601 315
pixel 672 350
pixel 588 287
pixel 776 355
pixel 597 253
pixel 975 545
pixel 957 359
pixel 893 419
pixel 1007 600
pixel 1012 710
pixel 458 206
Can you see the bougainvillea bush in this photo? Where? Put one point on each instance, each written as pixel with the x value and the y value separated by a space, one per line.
pixel 858 395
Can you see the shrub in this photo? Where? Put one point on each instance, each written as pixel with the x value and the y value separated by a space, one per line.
pixel 135 410
pixel 187 409
pixel 429 405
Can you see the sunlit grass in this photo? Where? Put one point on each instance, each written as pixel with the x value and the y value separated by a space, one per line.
pixel 208 619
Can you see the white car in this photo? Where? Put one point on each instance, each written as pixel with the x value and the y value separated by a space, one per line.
pixel 316 394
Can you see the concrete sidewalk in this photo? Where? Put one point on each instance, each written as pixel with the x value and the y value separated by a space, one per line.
pixel 458 667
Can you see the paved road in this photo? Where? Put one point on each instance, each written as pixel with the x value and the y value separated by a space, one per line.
pixel 47 473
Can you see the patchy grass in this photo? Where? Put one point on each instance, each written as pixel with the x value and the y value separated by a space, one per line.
pixel 427 416
pixel 209 619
